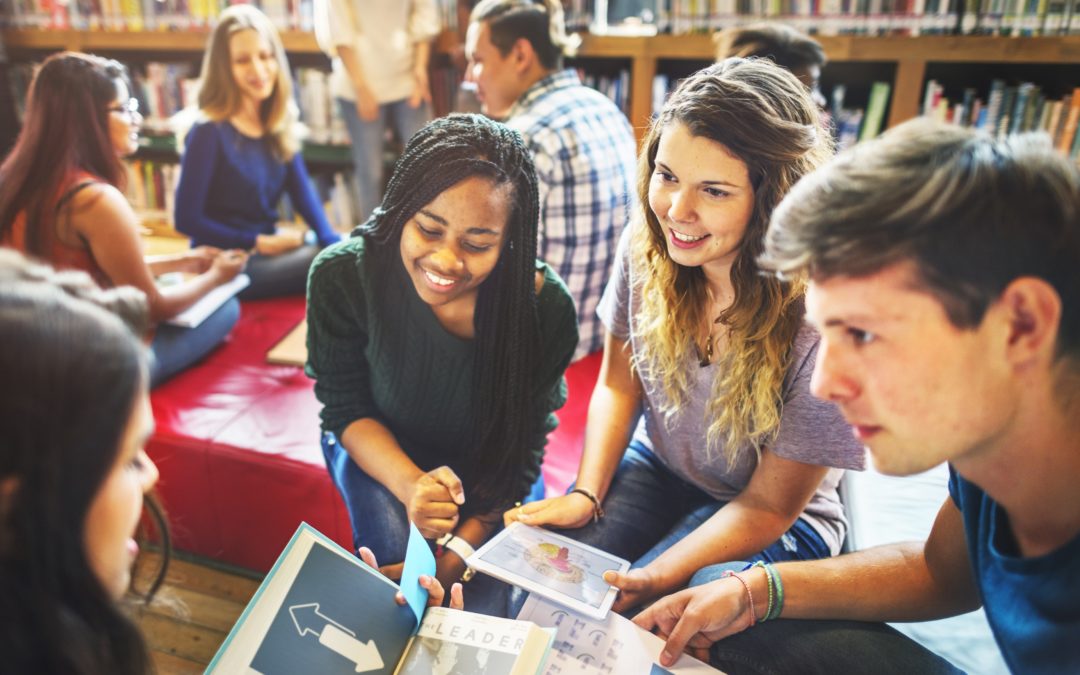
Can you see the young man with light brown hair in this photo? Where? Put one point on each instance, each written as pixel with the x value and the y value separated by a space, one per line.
pixel 944 273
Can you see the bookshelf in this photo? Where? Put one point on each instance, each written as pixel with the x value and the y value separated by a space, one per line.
pixel 910 56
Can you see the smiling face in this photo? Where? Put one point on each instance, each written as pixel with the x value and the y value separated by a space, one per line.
pixel 124 121
pixel 114 513
pixel 918 390
pixel 452 243
pixel 499 82
pixel 254 65
pixel 701 196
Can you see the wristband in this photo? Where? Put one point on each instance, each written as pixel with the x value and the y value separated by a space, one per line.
pixel 597 510
pixel 461 549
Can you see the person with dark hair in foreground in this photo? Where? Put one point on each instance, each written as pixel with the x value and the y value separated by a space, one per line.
pixel 74 415
pixel 944 273
pixel 438 344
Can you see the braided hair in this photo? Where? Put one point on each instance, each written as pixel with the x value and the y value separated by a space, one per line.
pixel 439 156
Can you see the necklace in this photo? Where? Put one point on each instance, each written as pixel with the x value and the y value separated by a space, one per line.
pixel 707 358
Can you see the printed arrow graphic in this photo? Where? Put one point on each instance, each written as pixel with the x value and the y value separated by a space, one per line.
pixel 336 637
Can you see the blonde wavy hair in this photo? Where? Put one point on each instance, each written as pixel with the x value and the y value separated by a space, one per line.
pixel 220 98
pixel 765 117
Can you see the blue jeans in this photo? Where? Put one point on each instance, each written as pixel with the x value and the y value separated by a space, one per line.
pixel 649 509
pixel 278 275
pixel 380 522
pixel 175 348
pixel 369 139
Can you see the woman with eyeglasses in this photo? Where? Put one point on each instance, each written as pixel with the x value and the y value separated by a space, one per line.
pixel 61 201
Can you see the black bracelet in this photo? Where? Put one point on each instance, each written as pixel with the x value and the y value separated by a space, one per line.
pixel 597 510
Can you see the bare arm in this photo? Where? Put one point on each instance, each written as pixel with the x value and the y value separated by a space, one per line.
pixel 103 218
pixel 897 582
pixel 767 507
pixel 613 408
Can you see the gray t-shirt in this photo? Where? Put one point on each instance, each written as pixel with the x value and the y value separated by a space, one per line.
pixel 811 430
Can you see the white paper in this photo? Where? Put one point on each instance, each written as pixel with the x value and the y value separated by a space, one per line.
pixel 209 303
pixel 612 646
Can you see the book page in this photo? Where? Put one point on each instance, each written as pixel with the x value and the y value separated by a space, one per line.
pixel 209 303
pixel 613 646
pixel 452 642
pixel 319 610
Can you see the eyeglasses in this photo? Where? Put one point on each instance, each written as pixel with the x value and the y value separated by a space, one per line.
pixel 129 109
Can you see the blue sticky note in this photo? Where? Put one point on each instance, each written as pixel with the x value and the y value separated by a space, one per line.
pixel 418 560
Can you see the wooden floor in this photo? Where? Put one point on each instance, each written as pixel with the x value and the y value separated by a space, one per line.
pixel 192 613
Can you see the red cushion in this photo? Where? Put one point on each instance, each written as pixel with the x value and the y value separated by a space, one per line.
pixel 237 443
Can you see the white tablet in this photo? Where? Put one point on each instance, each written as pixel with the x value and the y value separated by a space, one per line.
pixel 551 565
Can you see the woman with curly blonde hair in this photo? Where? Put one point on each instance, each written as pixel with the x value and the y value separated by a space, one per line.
pixel 703 442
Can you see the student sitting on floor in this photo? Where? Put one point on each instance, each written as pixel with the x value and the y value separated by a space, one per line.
pixel 60 200
pixel 438 344
pixel 707 363
pixel 74 415
pixel 945 279
pixel 244 153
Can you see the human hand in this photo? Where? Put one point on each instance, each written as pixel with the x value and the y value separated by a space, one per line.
pixel 449 568
pixel 433 500
pixel 421 92
pixel 435 590
pixel 636 587
pixel 227 264
pixel 280 242
pixel 367 107
pixel 200 259
pixel 697 617
pixel 568 511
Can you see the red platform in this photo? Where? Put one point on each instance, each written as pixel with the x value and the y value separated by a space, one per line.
pixel 237 443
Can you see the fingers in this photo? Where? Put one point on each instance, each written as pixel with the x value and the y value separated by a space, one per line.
pixel 457 596
pixel 445 476
pixel 392 571
pixel 686 628
pixel 434 589
pixel 368 557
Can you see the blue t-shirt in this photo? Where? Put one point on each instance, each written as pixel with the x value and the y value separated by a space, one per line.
pixel 1032 604
pixel 230 186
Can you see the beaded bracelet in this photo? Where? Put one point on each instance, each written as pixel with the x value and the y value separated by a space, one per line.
pixel 749 595
pixel 776 590
pixel 768 583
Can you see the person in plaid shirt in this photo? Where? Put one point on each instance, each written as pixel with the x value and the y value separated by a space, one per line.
pixel 581 142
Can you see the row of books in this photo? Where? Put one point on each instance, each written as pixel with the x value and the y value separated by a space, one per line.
pixel 1010 109
pixel 615 86
pixel 851 125
pixel 138 15
pixel 840 17
pixel 151 190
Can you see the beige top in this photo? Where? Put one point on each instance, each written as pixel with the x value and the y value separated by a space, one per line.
pixel 384 34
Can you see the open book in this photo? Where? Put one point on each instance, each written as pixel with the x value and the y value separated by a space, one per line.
pixel 209 303
pixel 614 645
pixel 322 610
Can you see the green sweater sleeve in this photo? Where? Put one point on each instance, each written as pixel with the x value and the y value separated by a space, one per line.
pixel 337 336
pixel 559 338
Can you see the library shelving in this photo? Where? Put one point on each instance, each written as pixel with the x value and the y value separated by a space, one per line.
pixel 905 58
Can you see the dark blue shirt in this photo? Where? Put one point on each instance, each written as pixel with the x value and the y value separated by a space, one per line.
pixel 230 186
pixel 1032 604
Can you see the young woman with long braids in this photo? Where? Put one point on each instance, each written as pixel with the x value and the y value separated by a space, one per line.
pixel 243 153
pixel 703 442
pixel 74 415
pixel 438 344
pixel 61 201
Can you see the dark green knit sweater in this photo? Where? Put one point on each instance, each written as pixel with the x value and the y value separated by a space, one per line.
pixel 376 350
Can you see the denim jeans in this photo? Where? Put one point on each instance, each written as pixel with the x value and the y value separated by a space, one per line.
pixel 812 647
pixel 278 275
pixel 176 348
pixel 649 509
pixel 368 140
pixel 380 522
